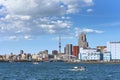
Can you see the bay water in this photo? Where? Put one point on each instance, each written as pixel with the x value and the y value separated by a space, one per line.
pixel 58 71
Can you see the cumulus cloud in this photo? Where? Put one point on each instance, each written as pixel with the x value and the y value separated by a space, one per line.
pixel 24 19
pixel 44 7
pixel 33 7
pixel 87 30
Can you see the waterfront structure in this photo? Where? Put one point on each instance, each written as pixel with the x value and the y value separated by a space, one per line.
pixel 114 48
pixel 106 56
pixel 18 58
pixel 34 57
pixel 44 55
pixel 54 52
pixel 90 54
pixel 7 57
pixel 1 57
pixel 23 56
pixel 60 56
pixel 75 51
pixel 82 41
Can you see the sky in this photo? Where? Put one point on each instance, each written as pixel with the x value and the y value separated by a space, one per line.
pixel 35 25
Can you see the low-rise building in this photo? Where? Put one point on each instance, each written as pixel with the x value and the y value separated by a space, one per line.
pixel 102 48
pixel 90 54
pixel 44 55
pixel 34 57
pixel 106 56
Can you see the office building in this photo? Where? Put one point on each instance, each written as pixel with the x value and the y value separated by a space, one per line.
pixel 68 50
pixel 75 51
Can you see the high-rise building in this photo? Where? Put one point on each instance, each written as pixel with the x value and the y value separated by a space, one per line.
pixel 82 41
pixel 75 51
pixel 114 48
pixel 68 50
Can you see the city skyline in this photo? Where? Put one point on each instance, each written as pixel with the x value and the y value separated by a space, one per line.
pixel 37 26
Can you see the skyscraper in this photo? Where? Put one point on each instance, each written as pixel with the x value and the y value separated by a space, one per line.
pixel 82 41
pixel 68 50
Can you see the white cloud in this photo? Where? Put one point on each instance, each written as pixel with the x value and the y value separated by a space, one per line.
pixel 12 37
pixel 89 10
pixel 44 7
pixel 91 31
pixel 31 18
pixel 33 7
pixel 87 30
pixel 28 37
pixel 63 38
pixel 88 1
pixel 111 24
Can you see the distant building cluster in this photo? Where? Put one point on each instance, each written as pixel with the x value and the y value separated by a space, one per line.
pixel 27 57
pixel 83 52
pixel 73 53
pixel 43 55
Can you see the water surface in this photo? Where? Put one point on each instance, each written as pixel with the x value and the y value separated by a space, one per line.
pixel 58 71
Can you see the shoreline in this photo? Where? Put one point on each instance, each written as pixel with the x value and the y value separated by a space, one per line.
pixel 81 62
pixel 97 62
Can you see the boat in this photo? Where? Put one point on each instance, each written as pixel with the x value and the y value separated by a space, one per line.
pixel 35 62
pixel 81 68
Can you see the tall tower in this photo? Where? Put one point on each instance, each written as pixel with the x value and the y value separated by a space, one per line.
pixel 82 41
pixel 59 44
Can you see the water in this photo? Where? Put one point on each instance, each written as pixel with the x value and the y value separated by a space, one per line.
pixel 58 71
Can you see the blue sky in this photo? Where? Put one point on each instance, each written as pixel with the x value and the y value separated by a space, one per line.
pixel 36 27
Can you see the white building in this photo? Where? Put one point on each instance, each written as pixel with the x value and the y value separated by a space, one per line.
pixel 114 48
pixel 90 54
pixel 23 56
pixel 106 56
